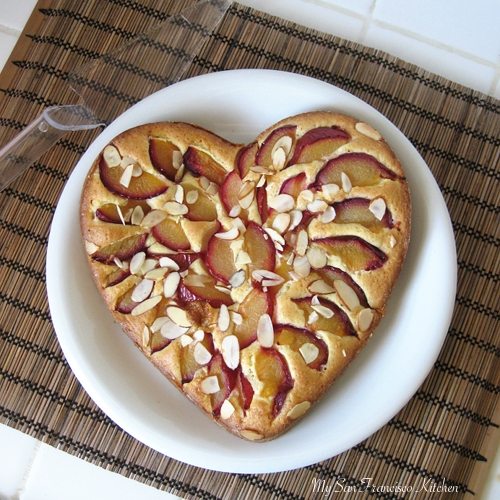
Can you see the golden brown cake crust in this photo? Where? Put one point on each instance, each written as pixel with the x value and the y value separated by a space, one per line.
pixel 304 231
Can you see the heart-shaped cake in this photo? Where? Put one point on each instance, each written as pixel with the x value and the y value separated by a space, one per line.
pixel 249 275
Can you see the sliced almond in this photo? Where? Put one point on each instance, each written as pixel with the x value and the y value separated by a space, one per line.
pixel 127 176
pixel 179 174
pixel 198 335
pixel 148 265
pixel 295 219
pixel 90 247
pixel 201 354
pixel 179 194
pixel 302 266
pixel 158 323
pixel 226 410
pixel 156 274
pixel 178 316
pixel 258 169
pixel 347 295
pixel 330 190
pixel 175 208
pixel 275 236
pixel 317 206
pixel 212 189
pixel 281 222
pixel 247 188
pixel 170 284
pixel 392 241
pixel 168 263
pixel 177 159
pixel 236 318
pixel 328 215
pixel 171 330
pixel 309 352
pixel 242 258
pixel 230 348
pixel 377 208
pixel 119 263
pixel 185 340
pixel 145 336
pixel 126 161
pixel 346 182
pixel 235 211
pixel 365 318
pixel 368 131
pixel 282 203
pixel 120 214
pixel 143 290
pixel 204 183
pixel 157 248
pixel 137 216
pixel 285 143
pixel 136 170
pixel 150 240
pixel 263 274
pixel 301 243
pixel 146 305
pixel 299 410
pixel 196 279
pixel 237 279
pixel 224 319
pixel 313 317
pixel 223 289
pixel 279 159
pixel 250 435
pixel 323 310
pixel 320 287
pixel 307 195
pixel 265 331
pixel 152 218
pixel 210 385
pixel 192 196
pixel 232 234
pixel 111 156
pixel 316 257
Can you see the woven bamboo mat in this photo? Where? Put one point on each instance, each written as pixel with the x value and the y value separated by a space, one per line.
pixel 447 432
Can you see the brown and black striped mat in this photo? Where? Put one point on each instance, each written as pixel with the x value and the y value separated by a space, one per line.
pixel 443 438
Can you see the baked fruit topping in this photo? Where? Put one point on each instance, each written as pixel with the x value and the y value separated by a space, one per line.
pixel 249 275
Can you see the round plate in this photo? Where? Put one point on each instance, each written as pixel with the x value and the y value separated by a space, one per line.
pixel 238 105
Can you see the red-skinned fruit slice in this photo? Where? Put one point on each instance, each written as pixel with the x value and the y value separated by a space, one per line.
pixel 109 211
pixel 170 233
pixel 182 259
pixel 356 253
pixel 190 290
pixel 201 163
pixel 330 274
pixel 122 249
pixel 161 153
pixel 318 143
pixel 338 323
pixel 262 203
pixel 115 277
pixel 272 371
pixel 245 389
pixel 125 304
pixel 362 170
pixel 189 366
pixel 227 381
pixel 220 259
pixel 246 158
pixel 295 338
pixel 157 342
pixel 357 211
pixel 203 209
pixel 230 190
pixel 254 305
pixel 140 188
pixel 264 155
pixel 295 185
pixel 260 248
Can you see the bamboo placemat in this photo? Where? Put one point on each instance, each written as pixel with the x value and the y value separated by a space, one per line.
pixel 445 435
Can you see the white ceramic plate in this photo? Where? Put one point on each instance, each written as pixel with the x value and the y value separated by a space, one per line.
pixel 238 105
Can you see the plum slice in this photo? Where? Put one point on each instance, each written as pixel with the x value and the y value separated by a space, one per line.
pixel 122 249
pixel 170 233
pixel 115 277
pixel 203 209
pixel 201 288
pixel 189 366
pixel 201 163
pixel 227 379
pixel 272 371
pixel 260 248
pixel 220 259
pixel 161 153
pixel 246 158
pixel 296 338
pixel 318 143
pixel 361 168
pixel 295 185
pixel 254 305
pixel 140 188
pixel 330 274
pixel 264 156
pixel 357 211
pixel 109 211
pixel 230 190
pixel 356 253
pixel 336 322
pixel 245 389
pixel 262 203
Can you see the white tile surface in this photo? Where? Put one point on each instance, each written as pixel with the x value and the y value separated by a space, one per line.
pixel 458 39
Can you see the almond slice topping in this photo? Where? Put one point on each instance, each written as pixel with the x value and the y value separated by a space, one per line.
pixel 177 159
pixel 136 262
pixel 275 236
pixel 201 354
pixel 365 318
pixel 175 208
pixel 111 156
pixel 171 330
pixel 347 295
pixel 299 410
pixel 146 306
pixel 178 316
pixel 285 143
pixel 301 243
pixel 320 287
pixel 295 219
pixel 323 310
pixel 170 284
pixel 309 352
pixel 230 349
pixel 224 319
pixel 142 291
pixel 330 190
pixel 346 182
pixel 317 257
pixel 192 196
pixel 158 323
pixel 279 159
pixel 377 208
pixel 328 215
pixel 265 331
pixel 237 279
pixel 232 234
pixel 226 410
pixel 152 218
pixel 137 216
pixel 168 263
pixel 282 203
pixel 281 222
pixel 302 266
pixel 127 176
pixel 368 131
pixel 210 385
pixel 317 206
